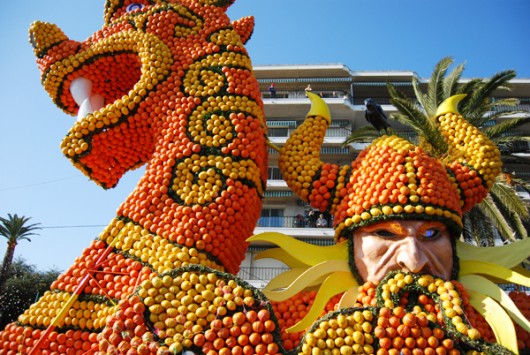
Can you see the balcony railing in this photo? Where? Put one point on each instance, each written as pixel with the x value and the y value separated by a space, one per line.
pixel 290 222
pixel 524 102
pixel 359 100
pixel 524 105
pixel 300 94
pixel 285 132
pixel 260 273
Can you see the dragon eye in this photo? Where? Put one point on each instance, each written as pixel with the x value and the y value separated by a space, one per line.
pixel 134 7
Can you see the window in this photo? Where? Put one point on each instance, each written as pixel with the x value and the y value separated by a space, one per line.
pixel 274 173
pixel 279 132
pixel 271 217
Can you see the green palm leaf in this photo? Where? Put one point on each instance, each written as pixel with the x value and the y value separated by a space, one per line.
pixel 501 128
pixel 493 111
pixel 492 212
pixel 411 115
pixel 435 90
pixel 420 96
pixel 470 86
pixel 450 83
pixel 483 92
pixel 363 134
pixel 477 229
pixel 508 197
pixel 520 183
pixel 515 220
pixel 498 81
pixel 15 228
pixel 510 101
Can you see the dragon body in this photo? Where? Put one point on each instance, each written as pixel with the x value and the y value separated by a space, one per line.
pixel 168 84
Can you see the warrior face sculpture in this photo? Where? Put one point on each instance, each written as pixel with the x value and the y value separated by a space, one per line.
pixel 420 247
pixel 396 209
pixel 393 180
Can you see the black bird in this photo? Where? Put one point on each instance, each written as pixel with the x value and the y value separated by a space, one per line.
pixel 376 116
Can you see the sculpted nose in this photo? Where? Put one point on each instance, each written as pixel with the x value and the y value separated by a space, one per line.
pixel 410 256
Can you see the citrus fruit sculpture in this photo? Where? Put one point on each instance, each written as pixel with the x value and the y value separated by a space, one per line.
pixel 169 84
pixel 404 312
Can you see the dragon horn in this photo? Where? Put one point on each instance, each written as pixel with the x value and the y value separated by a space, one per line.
pixel 311 179
pixel 474 160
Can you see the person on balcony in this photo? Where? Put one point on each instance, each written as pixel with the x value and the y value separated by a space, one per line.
pixel 321 222
pixel 299 221
pixel 272 90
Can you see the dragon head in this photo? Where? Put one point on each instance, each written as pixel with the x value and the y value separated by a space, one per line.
pixel 130 75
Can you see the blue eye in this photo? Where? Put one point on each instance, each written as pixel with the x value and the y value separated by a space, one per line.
pixel 431 233
pixel 134 7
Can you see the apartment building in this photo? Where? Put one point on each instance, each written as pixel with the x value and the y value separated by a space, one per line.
pixel 344 91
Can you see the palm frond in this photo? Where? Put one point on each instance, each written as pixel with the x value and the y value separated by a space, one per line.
pixel 494 110
pixel 412 116
pixel 485 90
pixel 473 109
pixel 435 89
pixel 492 113
pixel 492 212
pixel 496 116
pixel 520 183
pixel 500 80
pixel 511 158
pixel 477 229
pixel 469 87
pixel 420 96
pixel 501 128
pixel 515 220
pixel 467 235
pixel 364 134
pixel 508 101
pixel 507 142
pixel 508 197
pixel 15 228
pixel 450 83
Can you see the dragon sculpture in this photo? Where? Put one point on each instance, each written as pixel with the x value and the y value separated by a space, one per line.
pixel 170 84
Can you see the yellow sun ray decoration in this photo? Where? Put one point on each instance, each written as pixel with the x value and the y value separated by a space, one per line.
pixel 331 270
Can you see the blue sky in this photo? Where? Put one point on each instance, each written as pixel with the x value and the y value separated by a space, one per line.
pixel 38 182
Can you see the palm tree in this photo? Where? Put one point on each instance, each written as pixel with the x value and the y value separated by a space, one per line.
pixel 503 208
pixel 14 229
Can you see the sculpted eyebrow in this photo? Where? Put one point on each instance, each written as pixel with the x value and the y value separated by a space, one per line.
pixel 391 226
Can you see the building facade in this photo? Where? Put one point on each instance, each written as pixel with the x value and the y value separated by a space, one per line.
pixel 344 91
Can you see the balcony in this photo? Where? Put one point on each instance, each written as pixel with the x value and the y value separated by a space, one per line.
pixel 299 221
pixel 300 94
pixel 263 274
